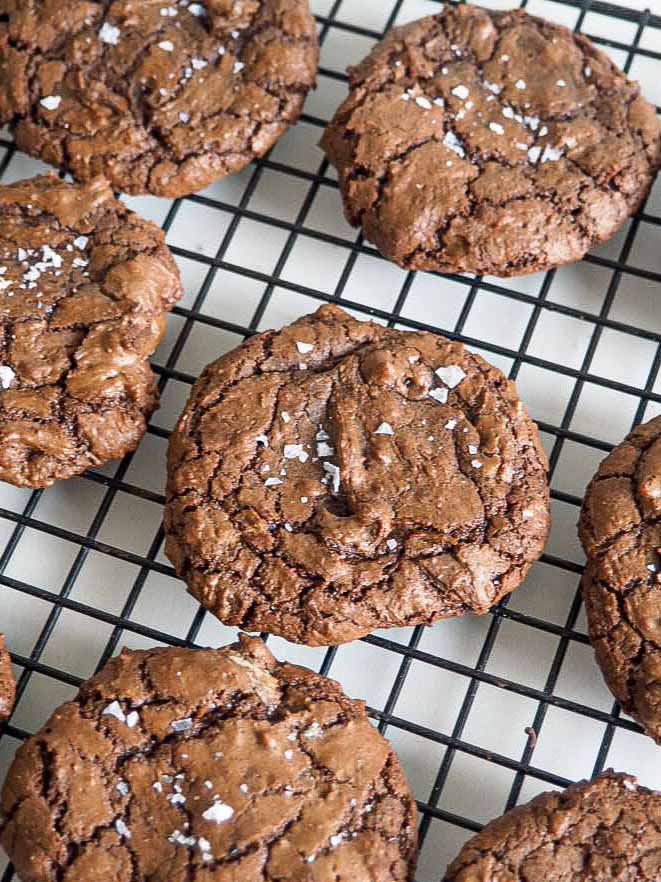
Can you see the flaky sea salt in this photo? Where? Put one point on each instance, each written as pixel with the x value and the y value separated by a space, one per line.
pixel 451 375
pixel 109 34
pixel 51 102
pixel 6 378
pixel 122 829
pixel 440 395
pixel 423 102
pixel 114 709
pixel 334 472
pixel 460 92
pixel 452 142
pixel 218 812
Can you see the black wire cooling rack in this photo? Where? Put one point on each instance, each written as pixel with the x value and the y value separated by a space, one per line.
pixel 414 664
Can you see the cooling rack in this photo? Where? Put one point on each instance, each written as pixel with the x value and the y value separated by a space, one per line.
pixel 483 712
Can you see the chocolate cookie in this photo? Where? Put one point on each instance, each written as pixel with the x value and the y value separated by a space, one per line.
pixel 620 530
pixel 595 831
pixel 158 97
pixel 7 684
pixel 490 142
pixel 84 289
pixel 224 765
pixel 337 476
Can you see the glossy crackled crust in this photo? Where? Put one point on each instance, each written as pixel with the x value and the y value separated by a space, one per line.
pixel 178 765
pixel 159 103
pixel 317 490
pixel 490 142
pixel 85 286
pixel 595 831
pixel 620 529
pixel 7 684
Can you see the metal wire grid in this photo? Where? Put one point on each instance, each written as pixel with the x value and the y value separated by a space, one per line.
pixel 386 718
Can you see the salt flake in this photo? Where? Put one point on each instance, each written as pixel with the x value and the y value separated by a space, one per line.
pixel 166 45
pixel 51 102
pixel 122 829
pixel 461 92
pixel 109 34
pixel 534 153
pixel 181 725
pixel 551 154
pixel 452 142
pixel 304 348
pixel 313 731
pixel 440 395
pixel 451 375
pixel 423 102
pixel 6 378
pixel 334 472
pixel 114 709
pixel 218 812
pixel 385 429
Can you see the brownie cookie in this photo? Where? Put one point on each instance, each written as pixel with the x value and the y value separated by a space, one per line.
pixel 224 765
pixel 84 289
pixel 595 831
pixel 337 476
pixel 160 97
pixel 620 529
pixel 7 684
pixel 490 142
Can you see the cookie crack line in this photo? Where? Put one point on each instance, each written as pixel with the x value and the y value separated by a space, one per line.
pixel 338 476
pixel 517 108
pixel 157 103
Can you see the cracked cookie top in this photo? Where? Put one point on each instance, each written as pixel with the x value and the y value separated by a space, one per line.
pixel 174 765
pixel 595 831
pixel 337 476
pixel 160 96
pixel 85 285
pixel 620 528
pixel 490 142
pixel 7 684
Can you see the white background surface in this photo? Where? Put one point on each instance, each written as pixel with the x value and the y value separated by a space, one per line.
pixel 539 664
